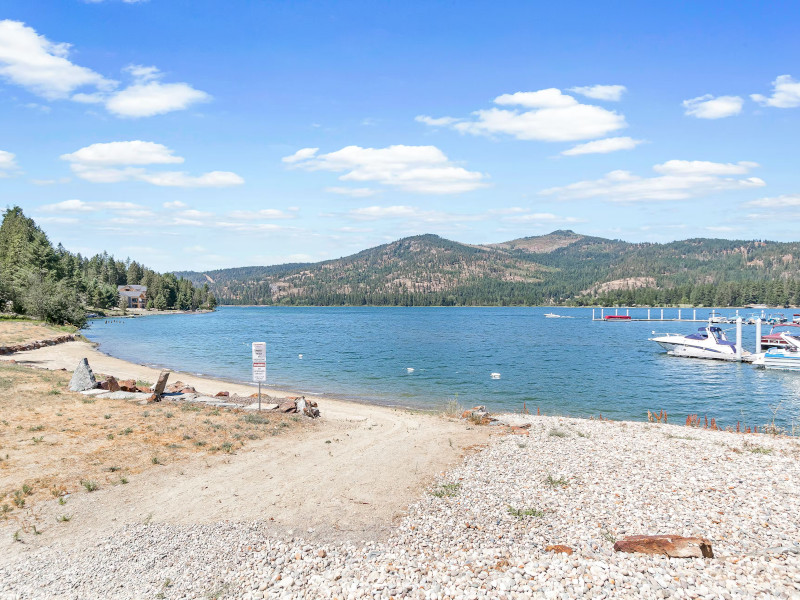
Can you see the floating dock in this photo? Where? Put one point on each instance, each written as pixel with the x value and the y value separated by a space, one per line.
pixel 653 314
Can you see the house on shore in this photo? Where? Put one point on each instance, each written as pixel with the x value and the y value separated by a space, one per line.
pixel 136 295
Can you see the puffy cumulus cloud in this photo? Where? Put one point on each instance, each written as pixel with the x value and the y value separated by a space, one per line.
pixel 148 96
pixel 135 152
pixel 783 201
pixel 352 192
pixel 603 146
pixel 545 115
pixel 43 67
pixel 785 93
pixel 421 169
pixel 678 180
pixel 709 107
pixel 8 163
pixel 300 155
pixel 114 162
pixel 612 93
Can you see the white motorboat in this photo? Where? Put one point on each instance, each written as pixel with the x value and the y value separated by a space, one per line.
pixel 786 358
pixel 708 342
pixel 551 316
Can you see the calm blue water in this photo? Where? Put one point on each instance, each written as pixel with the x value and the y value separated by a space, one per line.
pixel 565 366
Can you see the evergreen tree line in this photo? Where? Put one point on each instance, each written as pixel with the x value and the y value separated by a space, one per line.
pixel 58 286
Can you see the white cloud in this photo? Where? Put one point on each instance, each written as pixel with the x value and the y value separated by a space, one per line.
pixel 135 152
pixel 8 163
pixel 601 92
pixel 175 204
pixel 264 213
pixel 111 163
pixel 50 181
pixel 441 122
pixel 181 179
pixel 129 209
pixel 41 66
pixel 784 201
pixel 68 206
pixel 541 218
pixel 603 146
pixel 422 169
pixel 353 192
pixel 785 93
pixel 546 115
pixel 709 107
pixel 147 96
pixel 300 155
pixel 679 180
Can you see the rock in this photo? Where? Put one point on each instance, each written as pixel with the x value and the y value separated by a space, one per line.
pixel 520 431
pixel 287 407
pixel 110 384
pixel 675 546
pixel 321 553
pixel 82 378
pixel 161 384
pixel 222 394
pixel 557 548
pixel 307 408
pixel 477 414
pixel 128 385
pixel 188 390
pixel 176 387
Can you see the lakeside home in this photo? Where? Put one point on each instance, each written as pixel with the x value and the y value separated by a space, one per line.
pixel 135 294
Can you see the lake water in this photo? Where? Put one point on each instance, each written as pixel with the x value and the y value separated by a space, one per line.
pixel 571 366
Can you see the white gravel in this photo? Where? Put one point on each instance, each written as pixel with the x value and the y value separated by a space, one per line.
pixel 607 480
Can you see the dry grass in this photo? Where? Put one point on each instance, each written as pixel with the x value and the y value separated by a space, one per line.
pixel 51 442
pixel 17 332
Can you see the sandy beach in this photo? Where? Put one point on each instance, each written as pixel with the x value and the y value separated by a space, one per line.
pixel 376 502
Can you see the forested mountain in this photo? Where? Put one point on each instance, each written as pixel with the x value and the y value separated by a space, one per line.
pixel 562 267
pixel 57 286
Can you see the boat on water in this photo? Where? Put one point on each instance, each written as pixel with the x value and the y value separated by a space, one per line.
pixel 786 358
pixel 616 318
pixel 707 342
pixel 775 339
pixel 796 319
pixel 555 316
pixel 777 319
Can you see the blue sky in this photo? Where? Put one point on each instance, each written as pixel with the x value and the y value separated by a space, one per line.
pixel 206 134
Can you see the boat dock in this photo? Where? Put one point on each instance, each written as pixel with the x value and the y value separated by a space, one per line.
pixel 684 315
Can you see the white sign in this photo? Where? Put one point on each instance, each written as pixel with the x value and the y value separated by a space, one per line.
pixel 259 361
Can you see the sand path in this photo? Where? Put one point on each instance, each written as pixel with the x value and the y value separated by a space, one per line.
pixel 348 475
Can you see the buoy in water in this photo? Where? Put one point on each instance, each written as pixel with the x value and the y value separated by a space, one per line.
pixel 495 375
pixel 409 369
pixel 300 356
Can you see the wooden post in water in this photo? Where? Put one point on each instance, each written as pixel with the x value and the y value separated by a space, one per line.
pixel 628 311
pixel 662 314
pixel 648 314
pixel 593 315
pixel 679 314
pixel 694 315
pixel 602 313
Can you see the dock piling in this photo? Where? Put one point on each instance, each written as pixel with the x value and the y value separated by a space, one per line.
pixel 739 339
pixel 758 336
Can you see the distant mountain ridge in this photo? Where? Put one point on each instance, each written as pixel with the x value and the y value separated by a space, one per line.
pixel 560 267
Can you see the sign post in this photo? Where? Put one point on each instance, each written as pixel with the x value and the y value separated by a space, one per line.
pixel 259 366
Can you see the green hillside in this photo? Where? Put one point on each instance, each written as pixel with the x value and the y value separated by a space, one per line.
pixel 562 267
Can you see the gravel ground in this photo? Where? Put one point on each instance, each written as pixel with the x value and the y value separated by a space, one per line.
pixel 579 483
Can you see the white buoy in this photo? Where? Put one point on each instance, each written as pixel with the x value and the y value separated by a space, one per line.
pixel 300 356
pixel 409 369
pixel 495 375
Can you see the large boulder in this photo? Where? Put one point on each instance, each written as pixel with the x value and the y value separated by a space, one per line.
pixel 675 546
pixel 83 377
